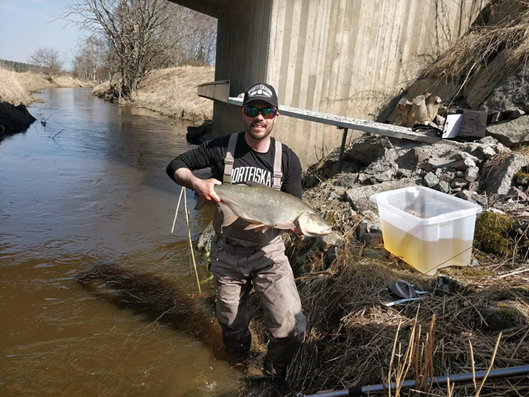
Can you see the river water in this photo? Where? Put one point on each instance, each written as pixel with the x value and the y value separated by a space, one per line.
pixel 97 297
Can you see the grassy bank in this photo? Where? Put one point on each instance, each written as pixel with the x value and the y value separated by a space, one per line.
pixel 173 92
pixel 16 88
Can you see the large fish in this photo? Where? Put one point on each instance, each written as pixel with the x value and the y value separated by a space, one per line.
pixel 264 208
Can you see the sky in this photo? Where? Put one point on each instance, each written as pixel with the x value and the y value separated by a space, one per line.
pixel 26 25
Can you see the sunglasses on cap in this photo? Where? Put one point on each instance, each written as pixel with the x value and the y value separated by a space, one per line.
pixel 268 113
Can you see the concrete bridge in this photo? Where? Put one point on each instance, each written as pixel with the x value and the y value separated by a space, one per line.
pixel 350 58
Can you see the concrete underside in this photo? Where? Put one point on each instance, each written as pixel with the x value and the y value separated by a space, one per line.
pixel 348 58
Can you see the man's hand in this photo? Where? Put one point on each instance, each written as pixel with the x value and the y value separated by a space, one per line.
pixel 296 230
pixel 206 189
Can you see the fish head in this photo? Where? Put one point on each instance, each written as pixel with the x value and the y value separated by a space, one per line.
pixel 313 225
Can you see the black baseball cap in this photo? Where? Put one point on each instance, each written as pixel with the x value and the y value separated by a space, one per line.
pixel 260 92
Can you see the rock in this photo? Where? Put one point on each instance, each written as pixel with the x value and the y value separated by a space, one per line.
pixel 362 178
pixel 464 164
pixel 487 151
pixel 447 284
pixel 14 118
pixel 488 140
pixel 373 221
pixel 374 238
pixel 362 193
pixel 332 196
pixel 512 133
pixel 516 113
pixel 201 133
pixel 465 195
pixel 499 176
pixel 333 254
pixel 473 186
pixel 472 174
pixel 458 182
pixel 376 253
pixel 460 174
pixel 427 166
pixel 333 239
pixel 444 187
pixel 505 314
pixel 347 180
pixel 522 180
pixel 465 155
pixel 418 155
pixel 361 230
pixel 430 179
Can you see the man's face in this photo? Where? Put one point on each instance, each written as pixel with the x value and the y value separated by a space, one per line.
pixel 259 127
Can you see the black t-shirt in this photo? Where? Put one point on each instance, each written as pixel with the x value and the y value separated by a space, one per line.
pixel 248 164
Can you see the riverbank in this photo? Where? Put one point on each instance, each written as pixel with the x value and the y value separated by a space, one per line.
pixel 172 92
pixel 16 91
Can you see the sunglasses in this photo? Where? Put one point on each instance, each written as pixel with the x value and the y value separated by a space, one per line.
pixel 268 113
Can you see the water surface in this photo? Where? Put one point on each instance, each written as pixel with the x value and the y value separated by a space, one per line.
pixel 97 298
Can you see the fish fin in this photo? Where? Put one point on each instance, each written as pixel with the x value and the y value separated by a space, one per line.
pixel 257 227
pixel 229 215
pixel 255 184
pixel 200 204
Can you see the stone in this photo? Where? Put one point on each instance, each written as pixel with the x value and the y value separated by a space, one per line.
pixel 333 239
pixel 361 230
pixel 464 164
pixel 333 254
pixel 505 314
pixel 488 140
pixel 458 182
pixel 460 174
pixel 376 253
pixel 362 178
pixel 444 187
pixel 465 195
pixel 333 196
pixel 465 155
pixel 500 175
pixel 512 133
pixel 374 238
pixel 427 166
pixel 373 221
pixel 456 190
pixel 418 155
pixel 362 193
pixel 347 180
pixel 447 284
pixel 487 151
pixel 473 186
pixel 522 180
pixel 472 174
pixel 14 118
pixel 430 179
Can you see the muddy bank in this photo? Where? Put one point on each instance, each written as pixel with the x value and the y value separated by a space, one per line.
pixel 171 92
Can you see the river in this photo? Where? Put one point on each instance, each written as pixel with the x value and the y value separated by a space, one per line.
pixel 97 297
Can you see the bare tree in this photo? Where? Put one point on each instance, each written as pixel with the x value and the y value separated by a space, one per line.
pixel 133 29
pixel 90 63
pixel 48 58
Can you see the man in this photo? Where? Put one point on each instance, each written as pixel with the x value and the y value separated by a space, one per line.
pixel 242 259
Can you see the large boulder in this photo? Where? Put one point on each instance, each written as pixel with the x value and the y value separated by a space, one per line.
pixel 511 133
pixel 14 118
pixel 499 173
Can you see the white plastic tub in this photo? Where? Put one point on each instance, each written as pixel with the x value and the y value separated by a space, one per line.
pixel 426 228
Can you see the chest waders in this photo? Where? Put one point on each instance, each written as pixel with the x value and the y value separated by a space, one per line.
pixel 238 265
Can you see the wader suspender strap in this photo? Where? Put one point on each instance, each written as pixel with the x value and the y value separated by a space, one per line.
pixel 277 166
pixel 228 161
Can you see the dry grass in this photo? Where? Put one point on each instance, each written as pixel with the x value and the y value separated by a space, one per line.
pixel 482 43
pixel 12 90
pixel 34 82
pixel 173 92
pixel 352 335
pixel 70 82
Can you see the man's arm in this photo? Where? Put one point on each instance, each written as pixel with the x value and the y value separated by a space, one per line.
pixel 204 187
